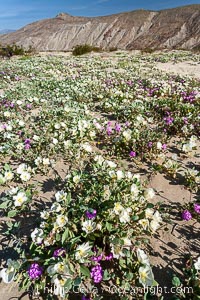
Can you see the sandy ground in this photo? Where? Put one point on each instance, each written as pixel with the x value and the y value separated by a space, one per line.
pixel 188 68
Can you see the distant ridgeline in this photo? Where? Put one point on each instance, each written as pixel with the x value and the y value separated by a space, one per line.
pixel 177 28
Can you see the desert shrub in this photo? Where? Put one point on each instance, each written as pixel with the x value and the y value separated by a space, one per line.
pixel 10 50
pixel 147 50
pixel 112 49
pixel 83 49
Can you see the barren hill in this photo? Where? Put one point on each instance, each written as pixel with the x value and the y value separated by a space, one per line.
pixel 170 28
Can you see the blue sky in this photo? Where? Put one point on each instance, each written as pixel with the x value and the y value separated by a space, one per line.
pixel 15 14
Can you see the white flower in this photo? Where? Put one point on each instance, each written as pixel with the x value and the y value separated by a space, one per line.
pixel 57 126
pixel 36 137
pixel 120 175
pixel 127 241
pixel 157 217
pixel 76 179
pixel 82 252
pixel 61 220
pixel 58 284
pixel 124 216
pixel 46 161
pixel 187 148
pixel 127 134
pixel 117 251
pixel 118 208
pixel 99 159
pixel 21 123
pixel 61 268
pixel 25 176
pixel 149 193
pixel 146 276
pixel 154 225
pixel 13 191
pixel 88 226
pixel 60 196
pixel 8 175
pixel 7 114
pixel 112 174
pixel 67 109
pixel 193 141
pixel 159 145
pixel 142 257
pixel 37 236
pixel 38 161
pixel 67 144
pixel 8 274
pixel 9 128
pixel 56 207
pixel 144 223
pixel 20 198
pixel 110 164
pixel 21 168
pixel 44 214
pixel 129 175
pixel 55 141
pixel 134 190
pixel 197 264
pixel 20 146
pixel 87 147
pixel 149 213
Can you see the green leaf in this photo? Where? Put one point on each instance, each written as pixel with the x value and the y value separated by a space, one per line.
pixel 150 205
pixel 155 283
pixel 68 283
pixel 135 218
pixel 65 235
pixel 85 271
pixel 77 281
pixel 108 226
pixel 57 237
pixel 12 213
pixel 122 263
pixel 176 281
pixel 5 204
pixel 106 275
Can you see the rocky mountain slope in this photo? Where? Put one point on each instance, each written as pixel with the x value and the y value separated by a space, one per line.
pixel 5 31
pixel 170 28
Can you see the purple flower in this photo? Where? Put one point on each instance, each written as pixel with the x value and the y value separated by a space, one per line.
pixel 150 144
pixel 97 274
pixel 27 141
pixel 118 127
pixel 164 146
pixel 85 298
pixel 132 154
pixel 97 258
pixel 35 271
pixel 186 215
pixel 168 120
pixel 91 213
pixel 109 130
pixel 59 252
pixel 109 257
pixel 27 146
pixel 197 208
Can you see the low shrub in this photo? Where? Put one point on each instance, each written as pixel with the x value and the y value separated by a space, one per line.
pixel 83 49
